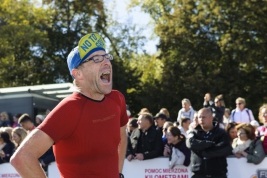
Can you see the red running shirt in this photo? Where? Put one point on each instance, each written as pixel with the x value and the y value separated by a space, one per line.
pixel 87 134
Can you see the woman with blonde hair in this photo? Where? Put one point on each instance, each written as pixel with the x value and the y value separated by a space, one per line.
pixel 4 119
pixel 143 110
pixel 262 130
pixel 166 112
pixel 263 118
pixel 18 135
pixel 187 110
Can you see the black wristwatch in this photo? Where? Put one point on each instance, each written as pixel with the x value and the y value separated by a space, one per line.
pixel 121 175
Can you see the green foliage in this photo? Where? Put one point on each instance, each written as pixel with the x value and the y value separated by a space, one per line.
pixel 210 46
pixel 21 43
pixel 205 46
pixel 147 93
pixel 68 22
pixel 36 40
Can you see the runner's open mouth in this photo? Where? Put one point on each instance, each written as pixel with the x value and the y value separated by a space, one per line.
pixel 105 77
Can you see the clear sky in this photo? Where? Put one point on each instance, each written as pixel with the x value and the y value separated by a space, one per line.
pixel 139 18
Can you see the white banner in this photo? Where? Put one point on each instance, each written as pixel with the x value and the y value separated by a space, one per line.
pixel 239 168
pixel 154 168
pixel 8 171
pixel 158 168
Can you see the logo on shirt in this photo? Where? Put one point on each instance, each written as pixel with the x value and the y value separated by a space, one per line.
pixel 104 119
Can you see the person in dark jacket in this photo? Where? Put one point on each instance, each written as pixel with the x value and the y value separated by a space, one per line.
pixel 6 147
pixel 47 158
pixel 160 120
pixel 217 107
pixel 145 142
pixel 210 145
pixel 175 148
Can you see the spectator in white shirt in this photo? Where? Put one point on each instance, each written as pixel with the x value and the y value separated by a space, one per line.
pixel 193 124
pixel 187 111
pixel 241 114
pixel 184 126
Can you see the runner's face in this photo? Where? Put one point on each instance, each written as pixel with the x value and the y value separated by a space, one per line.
pixel 97 76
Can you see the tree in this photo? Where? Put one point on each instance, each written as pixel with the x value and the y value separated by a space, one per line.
pixel 211 46
pixel 148 91
pixel 38 39
pixel 21 43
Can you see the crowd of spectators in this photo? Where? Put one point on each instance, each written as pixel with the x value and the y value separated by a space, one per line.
pixel 12 133
pixel 246 137
pixel 154 136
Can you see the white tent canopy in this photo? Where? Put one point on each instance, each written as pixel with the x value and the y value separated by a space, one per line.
pixel 57 91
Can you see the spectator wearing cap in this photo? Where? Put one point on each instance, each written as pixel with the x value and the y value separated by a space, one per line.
pixel 145 142
pixel 187 110
pixel 131 125
pixel 160 120
pixel 26 122
pixel 39 119
pixel 15 120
